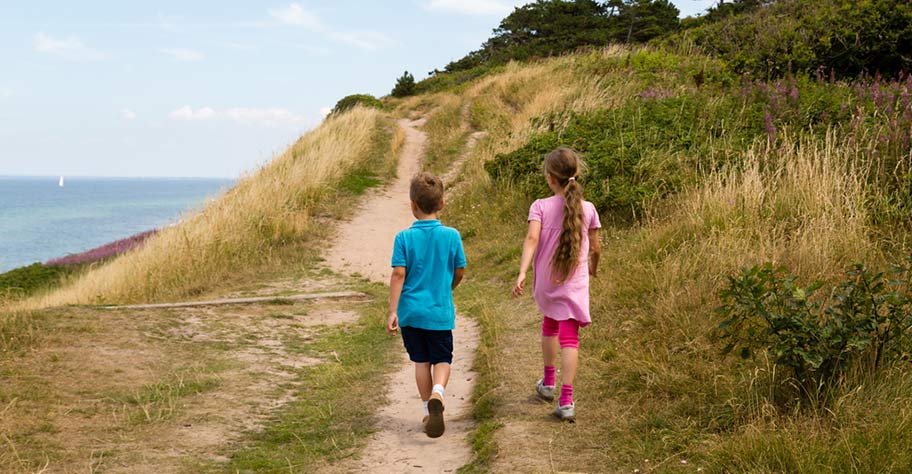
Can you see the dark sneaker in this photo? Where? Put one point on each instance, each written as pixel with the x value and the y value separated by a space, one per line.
pixel 434 426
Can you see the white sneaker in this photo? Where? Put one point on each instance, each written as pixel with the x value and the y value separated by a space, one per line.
pixel 544 391
pixel 565 413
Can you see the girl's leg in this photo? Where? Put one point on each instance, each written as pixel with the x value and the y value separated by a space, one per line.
pixel 568 336
pixel 550 346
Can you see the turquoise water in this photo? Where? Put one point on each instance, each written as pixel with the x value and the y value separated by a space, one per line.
pixel 39 220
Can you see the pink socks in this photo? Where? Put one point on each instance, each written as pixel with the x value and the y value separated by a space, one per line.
pixel 548 380
pixel 566 396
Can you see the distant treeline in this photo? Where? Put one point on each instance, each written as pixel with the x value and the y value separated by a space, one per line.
pixel 762 38
pixel 551 27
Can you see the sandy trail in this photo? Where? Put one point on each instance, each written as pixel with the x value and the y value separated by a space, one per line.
pixel 364 246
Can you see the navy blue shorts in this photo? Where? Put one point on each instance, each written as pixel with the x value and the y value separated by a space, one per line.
pixel 425 345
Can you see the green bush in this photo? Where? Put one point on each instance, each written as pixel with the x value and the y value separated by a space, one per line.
pixel 634 153
pixel 442 80
pixel 405 85
pixel 842 36
pixel 24 281
pixel 865 322
pixel 350 101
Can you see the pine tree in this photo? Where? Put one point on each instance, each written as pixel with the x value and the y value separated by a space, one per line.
pixel 405 85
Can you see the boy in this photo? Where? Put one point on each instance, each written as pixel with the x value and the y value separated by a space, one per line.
pixel 428 263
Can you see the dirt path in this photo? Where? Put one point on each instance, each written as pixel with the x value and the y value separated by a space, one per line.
pixel 364 246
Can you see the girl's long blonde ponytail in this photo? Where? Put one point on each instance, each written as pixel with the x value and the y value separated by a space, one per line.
pixel 564 165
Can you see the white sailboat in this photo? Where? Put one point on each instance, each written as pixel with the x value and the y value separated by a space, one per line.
pixel 61 182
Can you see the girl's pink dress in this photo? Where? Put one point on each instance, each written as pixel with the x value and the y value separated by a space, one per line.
pixel 569 300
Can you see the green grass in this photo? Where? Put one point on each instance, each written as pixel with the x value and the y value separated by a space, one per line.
pixel 162 400
pixel 27 280
pixel 331 415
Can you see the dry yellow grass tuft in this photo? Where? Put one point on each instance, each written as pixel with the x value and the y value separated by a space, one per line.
pixel 267 209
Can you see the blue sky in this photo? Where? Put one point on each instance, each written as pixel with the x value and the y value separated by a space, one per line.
pixel 206 88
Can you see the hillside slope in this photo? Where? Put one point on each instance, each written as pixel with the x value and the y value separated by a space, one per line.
pixel 698 173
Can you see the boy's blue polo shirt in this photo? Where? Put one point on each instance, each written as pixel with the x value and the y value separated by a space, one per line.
pixel 431 253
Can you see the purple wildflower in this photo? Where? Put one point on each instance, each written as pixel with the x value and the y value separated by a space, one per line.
pixel 104 252
pixel 770 127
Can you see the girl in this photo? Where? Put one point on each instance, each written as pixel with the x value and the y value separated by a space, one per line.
pixel 563 236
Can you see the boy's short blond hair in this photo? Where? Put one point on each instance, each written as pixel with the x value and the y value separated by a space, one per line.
pixel 427 192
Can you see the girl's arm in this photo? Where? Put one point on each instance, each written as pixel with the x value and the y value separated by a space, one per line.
pixel 529 246
pixel 595 251
pixel 397 279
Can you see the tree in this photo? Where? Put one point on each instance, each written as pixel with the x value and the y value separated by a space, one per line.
pixel 405 85
pixel 646 19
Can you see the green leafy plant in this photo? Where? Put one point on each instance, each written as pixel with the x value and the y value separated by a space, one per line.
pixel 27 280
pixel 865 322
pixel 350 101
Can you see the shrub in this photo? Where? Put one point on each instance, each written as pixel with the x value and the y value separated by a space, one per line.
pixel 631 151
pixel 405 85
pixel 842 36
pixel 866 321
pixel 350 101
pixel 24 281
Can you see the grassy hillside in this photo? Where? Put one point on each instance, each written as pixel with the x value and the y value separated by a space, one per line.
pixel 698 173
pixel 257 225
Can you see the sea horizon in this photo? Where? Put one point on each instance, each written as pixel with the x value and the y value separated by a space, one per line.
pixel 40 221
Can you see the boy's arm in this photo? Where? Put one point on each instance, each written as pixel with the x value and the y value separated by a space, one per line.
pixel 396 281
pixel 595 251
pixel 529 245
pixel 457 277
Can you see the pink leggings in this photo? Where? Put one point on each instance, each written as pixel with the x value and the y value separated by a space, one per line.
pixel 567 331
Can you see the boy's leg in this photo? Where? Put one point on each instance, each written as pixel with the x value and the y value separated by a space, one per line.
pixel 441 374
pixel 441 354
pixel 423 379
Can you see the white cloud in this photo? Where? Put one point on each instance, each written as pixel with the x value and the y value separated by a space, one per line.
pixel 324 111
pixel 128 114
pixel 187 113
pixel 259 116
pixel 270 116
pixel 366 40
pixel 5 93
pixel 183 54
pixel 295 15
pixel 473 7
pixel 70 48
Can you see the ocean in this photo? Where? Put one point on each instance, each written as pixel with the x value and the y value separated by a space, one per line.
pixel 39 220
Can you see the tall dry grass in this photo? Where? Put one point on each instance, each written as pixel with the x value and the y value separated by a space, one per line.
pixel 244 227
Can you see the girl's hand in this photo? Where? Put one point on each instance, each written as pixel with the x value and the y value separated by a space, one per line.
pixel 392 324
pixel 518 286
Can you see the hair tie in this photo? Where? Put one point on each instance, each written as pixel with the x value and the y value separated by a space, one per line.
pixel 572 178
